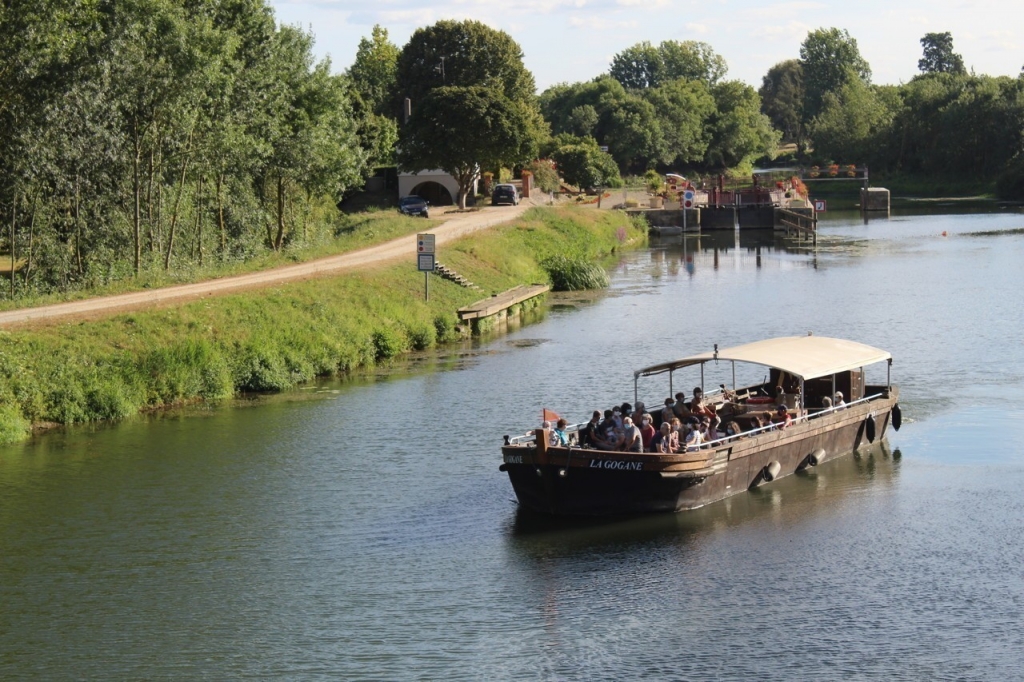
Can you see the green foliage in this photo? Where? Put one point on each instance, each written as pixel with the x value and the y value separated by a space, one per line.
pixel 444 328
pixel 852 125
pixel 939 56
pixel 387 343
pixel 460 129
pixel 574 273
pixel 165 135
pixel 545 174
pixel 684 109
pixel 582 163
pixel 782 99
pixel 740 132
pixel 830 59
pixel 1010 183
pixel 13 426
pixel 374 72
pixel 645 66
pixel 462 54
pixel 269 340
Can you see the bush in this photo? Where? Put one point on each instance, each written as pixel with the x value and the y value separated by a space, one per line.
pixel 544 175
pixel 13 426
pixel 574 273
pixel 422 338
pixel 1010 183
pixel 387 343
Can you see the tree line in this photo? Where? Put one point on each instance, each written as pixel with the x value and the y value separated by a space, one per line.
pixel 946 123
pixel 160 135
pixel 156 134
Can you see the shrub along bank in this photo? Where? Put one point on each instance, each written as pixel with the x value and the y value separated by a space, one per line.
pixel 271 339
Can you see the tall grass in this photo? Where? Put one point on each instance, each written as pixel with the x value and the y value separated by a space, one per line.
pixel 272 339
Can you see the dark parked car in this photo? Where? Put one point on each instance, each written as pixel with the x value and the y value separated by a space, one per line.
pixel 413 205
pixel 504 194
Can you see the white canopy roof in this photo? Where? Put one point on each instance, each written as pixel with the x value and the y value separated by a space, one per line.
pixel 806 357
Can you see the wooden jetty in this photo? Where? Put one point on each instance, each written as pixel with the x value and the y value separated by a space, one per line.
pixel 498 308
pixel 802 224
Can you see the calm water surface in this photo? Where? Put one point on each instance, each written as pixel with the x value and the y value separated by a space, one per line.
pixel 363 531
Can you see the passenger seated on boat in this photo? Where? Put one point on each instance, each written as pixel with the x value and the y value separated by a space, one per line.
pixel 677 429
pixel 693 439
pixel 826 403
pixel 668 412
pixel 638 413
pixel 840 403
pixel 613 437
pixel 781 418
pixel 732 429
pixel 589 436
pixel 617 417
pixel 626 410
pixel 606 432
pixel 632 441
pixel 707 430
pixel 681 409
pixel 701 409
pixel 662 441
pixel 647 431
pixel 561 438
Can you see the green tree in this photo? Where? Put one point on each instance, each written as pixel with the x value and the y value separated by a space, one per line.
pixel 582 163
pixel 830 59
pixel 463 54
pixel 782 100
pixel 854 121
pixel 463 129
pixel 938 54
pixel 740 133
pixel 646 66
pixel 683 109
pixel 374 72
pixel 692 60
pixel 638 66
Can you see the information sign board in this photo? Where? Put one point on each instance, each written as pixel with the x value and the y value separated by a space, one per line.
pixel 424 243
pixel 820 206
pixel 425 262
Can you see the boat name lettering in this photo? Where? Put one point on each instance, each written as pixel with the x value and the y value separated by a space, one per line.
pixel 616 464
pixel 513 459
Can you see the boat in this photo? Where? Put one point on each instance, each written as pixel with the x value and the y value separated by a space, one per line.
pixel 801 372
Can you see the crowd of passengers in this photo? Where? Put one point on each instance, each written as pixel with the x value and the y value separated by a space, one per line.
pixel 684 425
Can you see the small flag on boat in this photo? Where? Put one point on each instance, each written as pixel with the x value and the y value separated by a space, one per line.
pixel 549 415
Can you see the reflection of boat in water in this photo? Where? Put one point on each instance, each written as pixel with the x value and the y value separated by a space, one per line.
pixel 803 371
pixel 814 491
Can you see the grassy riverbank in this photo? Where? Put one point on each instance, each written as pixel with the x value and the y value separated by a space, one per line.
pixel 274 338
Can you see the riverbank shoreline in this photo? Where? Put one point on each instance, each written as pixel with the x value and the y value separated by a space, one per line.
pixel 273 338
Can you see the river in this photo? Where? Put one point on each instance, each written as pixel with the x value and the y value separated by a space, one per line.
pixel 362 530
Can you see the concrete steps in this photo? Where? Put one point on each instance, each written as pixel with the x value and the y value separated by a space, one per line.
pixel 447 273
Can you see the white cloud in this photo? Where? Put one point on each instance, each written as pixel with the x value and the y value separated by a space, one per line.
pixel 792 30
pixel 696 28
pixel 644 4
pixel 596 23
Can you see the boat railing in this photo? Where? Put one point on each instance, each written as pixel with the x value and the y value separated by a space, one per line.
pixel 802 418
pixel 576 428
pixel 532 436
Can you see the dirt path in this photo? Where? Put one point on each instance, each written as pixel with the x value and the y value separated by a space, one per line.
pixel 403 248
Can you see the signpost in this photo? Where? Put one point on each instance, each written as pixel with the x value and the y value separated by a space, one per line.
pixel 425 260
pixel 820 206
pixel 688 196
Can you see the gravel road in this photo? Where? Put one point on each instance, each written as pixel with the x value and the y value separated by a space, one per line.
pixel 403 248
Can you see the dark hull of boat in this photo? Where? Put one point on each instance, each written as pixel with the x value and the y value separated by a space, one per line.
pixel 593 483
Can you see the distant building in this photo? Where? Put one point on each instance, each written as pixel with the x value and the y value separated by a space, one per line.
pixel 436 186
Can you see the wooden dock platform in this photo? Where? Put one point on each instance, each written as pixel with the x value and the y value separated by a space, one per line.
pixel 499 307
pixel 802 224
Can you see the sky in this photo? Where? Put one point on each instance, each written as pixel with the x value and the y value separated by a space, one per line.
pixel 575 40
